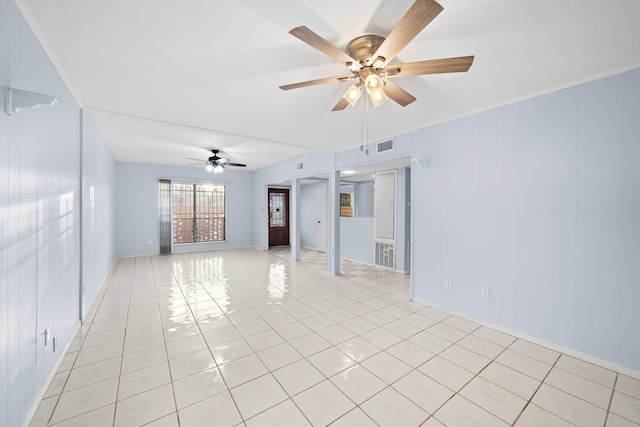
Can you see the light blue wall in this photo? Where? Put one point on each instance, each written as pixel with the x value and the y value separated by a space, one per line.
pixel 364 199
pixel 540 201
pixel 356 239
pixel 136 217
pixel 40 219
pixel 98 199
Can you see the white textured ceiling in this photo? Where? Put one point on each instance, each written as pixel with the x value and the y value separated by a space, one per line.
pixel 169 79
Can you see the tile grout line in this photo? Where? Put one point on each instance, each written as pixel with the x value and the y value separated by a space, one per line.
pixel 164 338
pixel 613 391
pixel 536 392
pixel 124 340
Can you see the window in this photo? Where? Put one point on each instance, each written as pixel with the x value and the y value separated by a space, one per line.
pixel 198 213
pixel 346 204
pixel 277 210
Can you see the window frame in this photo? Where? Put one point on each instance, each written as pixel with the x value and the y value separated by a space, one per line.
pixel 194 217
pixel 348 210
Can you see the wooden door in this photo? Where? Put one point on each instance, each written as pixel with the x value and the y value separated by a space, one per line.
pixel 278 216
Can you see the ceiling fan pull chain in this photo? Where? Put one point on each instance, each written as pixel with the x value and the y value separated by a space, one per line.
pixel 366 123
pixel 364 101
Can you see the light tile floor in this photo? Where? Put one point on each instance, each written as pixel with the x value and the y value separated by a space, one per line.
pixel 249 338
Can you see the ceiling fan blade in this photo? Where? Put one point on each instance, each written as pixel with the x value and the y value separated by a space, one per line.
pixel 341 105
pixel 315 41
pixel 419 15
pixel 240 165
pixel 199 163
pixel 398 94
pixel 432 66
pixel 197 160
pixel 316 82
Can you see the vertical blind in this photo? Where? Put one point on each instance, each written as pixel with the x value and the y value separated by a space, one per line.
pixel 164 201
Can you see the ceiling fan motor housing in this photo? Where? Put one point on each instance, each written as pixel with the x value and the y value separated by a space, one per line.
pixel 363 48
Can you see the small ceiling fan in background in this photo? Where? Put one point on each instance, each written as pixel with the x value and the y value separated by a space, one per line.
pixel 215 163
pixel 368 58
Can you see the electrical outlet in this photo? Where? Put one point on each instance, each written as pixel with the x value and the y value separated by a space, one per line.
pixel 485 292
pixel 448 283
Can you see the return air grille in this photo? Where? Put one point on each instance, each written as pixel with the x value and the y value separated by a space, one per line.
pixel 385 255
pixel 385 146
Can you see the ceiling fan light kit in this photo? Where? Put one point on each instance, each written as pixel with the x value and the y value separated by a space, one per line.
pixel 375 89
pixel 352 95
pixel 216 164
pixel 367 58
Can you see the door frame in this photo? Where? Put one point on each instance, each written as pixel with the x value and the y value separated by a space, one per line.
pixel 321 229
pixel 276 189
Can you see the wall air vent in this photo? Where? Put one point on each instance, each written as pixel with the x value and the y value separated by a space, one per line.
pixel 299 165
pixel 385 146
pixel 385 255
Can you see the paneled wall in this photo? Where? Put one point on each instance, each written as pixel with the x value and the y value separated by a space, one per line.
pixel 40 220
pixel 540 202
pixel 98 200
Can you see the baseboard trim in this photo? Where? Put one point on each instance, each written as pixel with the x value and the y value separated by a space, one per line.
pixel 607 364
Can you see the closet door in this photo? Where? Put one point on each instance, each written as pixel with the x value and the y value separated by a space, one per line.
pixel 384 206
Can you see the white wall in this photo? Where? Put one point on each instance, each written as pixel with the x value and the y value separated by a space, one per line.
pixel 540 201
pixel 136 218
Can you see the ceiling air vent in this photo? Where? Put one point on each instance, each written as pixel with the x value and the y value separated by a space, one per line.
pixel 385 146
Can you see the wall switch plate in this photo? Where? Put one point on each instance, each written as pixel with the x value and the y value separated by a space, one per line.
pixel 485 292
pixel 448 283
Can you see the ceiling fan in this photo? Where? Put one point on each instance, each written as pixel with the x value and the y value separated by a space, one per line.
pixel 216 163
pixel 368 58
